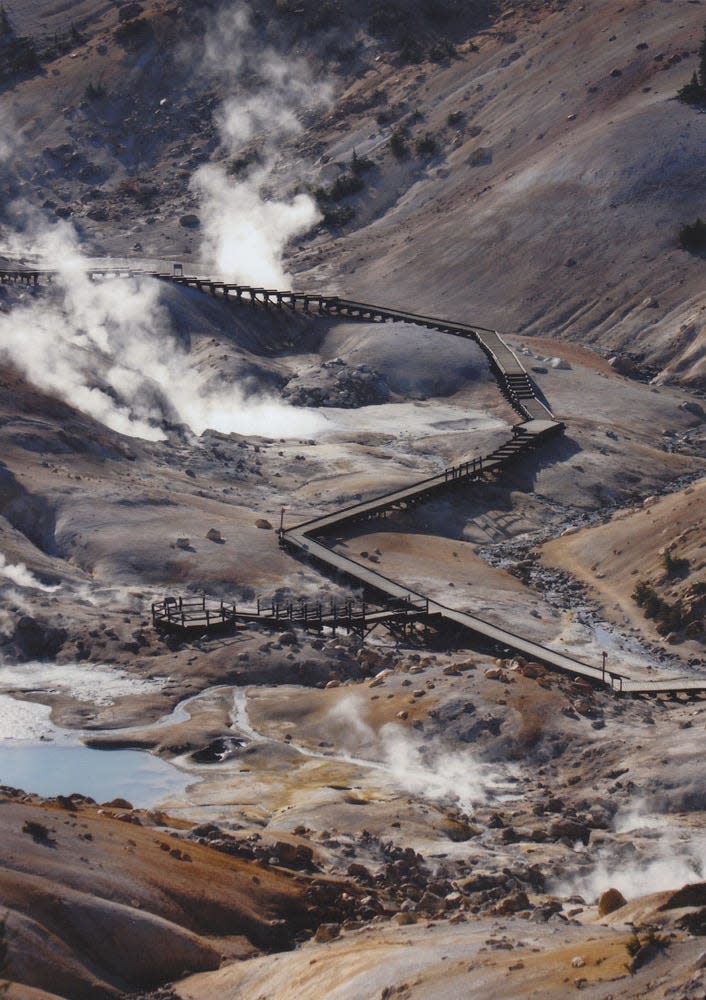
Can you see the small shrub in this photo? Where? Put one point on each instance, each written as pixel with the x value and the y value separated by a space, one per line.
pixel 667 617
pixel 442 50
pixel 343 186
pixel 325 15
pixel 240 165
pixel 642 949
pixel 129 11
pixel 440 10
pixel 384 117
pixel 693 237
pixel 454 118
pixel 132 32
pixel 481 156
pixel 337 216
pixel 411 52
pixel 641 593
pixel 95 91
pixel 426 145
pixel 22 56
pixel 35 829
pixel 360 164
pixel 692 92
pixel 398 144
pixel 385 19
pixel 674 565
pixel 633 944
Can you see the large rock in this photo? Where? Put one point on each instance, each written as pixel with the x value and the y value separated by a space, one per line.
pixel 690 406
pixel 622 365
pixel 35 640
pixel 610 901
pixel 327 932
pixel 569 829
pixel 693 894
pixel 515 902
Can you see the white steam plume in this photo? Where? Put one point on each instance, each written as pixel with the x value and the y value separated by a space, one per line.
pixel 18 574
pixel 438 775
pixel 435 774
pixel 245 227
pixel 669 858
pixel 107 348
pixel 244 233
pixel 13 605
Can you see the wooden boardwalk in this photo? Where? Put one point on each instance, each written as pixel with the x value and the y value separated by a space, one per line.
pixel 192 614
pixel 537 426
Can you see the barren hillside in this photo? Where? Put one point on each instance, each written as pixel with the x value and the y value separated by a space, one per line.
pixel 338 797
pixel 528 168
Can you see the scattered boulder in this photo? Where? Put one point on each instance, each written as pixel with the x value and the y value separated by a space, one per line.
pixel 690 406
pixel 458 829
pixel 356 870
pixel 569 829
pixel 190 221
pixel 327 932
pixel 622 364
pixel 118 803
pixel 693 894
pixel 36 640
pixel 291 855
pixel 515 902
pixel 129 11
pixel 262 522
pixel 531 670
pixel 214 535
pixel 610 901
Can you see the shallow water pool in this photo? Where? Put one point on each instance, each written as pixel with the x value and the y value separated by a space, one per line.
pixel 59 769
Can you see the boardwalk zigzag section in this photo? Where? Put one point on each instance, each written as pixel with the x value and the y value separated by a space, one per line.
pixel 538 425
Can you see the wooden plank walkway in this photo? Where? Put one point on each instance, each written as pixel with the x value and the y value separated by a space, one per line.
pixel 537 426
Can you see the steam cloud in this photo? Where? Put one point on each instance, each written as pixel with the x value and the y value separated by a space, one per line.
pixel 245 228
pixel 18 574
pixel 107 348
pixel 670 859
pixel 439 776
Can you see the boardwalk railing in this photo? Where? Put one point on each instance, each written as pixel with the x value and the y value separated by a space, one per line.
pixel 192 614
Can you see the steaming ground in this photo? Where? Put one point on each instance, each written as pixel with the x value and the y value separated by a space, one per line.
pixel 440 823
pixel 521 796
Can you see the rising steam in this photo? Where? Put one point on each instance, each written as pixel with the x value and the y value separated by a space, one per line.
pixel 456 778
pixel 107 348
pixel 668 859
pixel 18 574
pixel 245 227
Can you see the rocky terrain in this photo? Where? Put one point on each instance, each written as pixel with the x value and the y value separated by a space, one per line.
pixel 274 812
